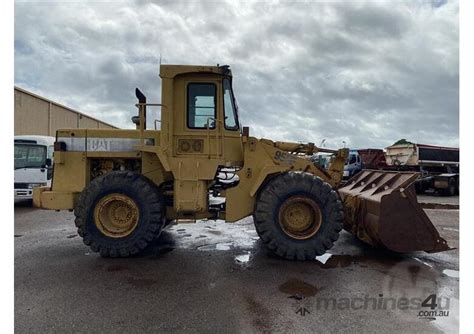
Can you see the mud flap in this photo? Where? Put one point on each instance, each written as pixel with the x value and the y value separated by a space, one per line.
pixel 382 210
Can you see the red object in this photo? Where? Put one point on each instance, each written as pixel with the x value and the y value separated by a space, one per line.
pixel 372 158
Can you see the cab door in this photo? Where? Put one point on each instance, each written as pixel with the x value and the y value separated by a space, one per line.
pixel 231 128
pixel 197 131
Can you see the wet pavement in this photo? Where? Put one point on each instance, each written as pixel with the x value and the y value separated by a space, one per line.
pixel 439 201
pixel 212 276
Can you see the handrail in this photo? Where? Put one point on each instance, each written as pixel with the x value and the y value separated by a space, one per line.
pixel 148 104
pixel 142 115
pixel 217 137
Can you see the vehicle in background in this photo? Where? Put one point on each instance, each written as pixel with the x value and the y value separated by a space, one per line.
pixel 353 164
pixel 322 160
pixel 33 164
pixel 438 166
pixel 370 158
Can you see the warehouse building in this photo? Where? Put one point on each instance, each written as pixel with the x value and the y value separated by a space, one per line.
pixel 36 115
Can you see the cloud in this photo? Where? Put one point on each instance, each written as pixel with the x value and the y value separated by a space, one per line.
pixel 367 73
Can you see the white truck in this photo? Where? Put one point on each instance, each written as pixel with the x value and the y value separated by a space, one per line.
pixel 438 165
pixel 33 164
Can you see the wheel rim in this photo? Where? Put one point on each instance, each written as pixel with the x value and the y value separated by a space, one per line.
pixel 300 217
pixel 452 188
pixel 116 215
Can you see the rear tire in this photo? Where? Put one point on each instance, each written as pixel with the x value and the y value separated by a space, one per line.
pixel 119 214
pixel 451 190
pixel 419 187
pixel 298 216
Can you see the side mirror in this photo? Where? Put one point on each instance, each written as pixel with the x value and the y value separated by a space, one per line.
pixel 49 162
pixel 136 120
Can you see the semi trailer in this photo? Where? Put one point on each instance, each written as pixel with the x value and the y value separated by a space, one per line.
pixel 438 166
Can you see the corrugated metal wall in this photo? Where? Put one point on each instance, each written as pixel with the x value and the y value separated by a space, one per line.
pixel 36 115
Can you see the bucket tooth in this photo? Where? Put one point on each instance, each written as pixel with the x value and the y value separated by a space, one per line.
pixel 381 209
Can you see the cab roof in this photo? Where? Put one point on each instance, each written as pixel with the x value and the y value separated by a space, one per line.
pixel 170 71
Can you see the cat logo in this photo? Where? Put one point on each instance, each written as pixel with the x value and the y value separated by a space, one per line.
pixel 98 144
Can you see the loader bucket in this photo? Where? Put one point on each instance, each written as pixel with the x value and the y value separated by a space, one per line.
pixel 381 209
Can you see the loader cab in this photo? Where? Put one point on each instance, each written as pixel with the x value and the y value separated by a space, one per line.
pixel 200 115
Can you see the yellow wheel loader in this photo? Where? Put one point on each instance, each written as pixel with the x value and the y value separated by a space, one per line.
pixel 125 186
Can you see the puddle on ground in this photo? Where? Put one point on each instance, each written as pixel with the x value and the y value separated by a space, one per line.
pixel 207 248
pixel 209 235
pixel 328 260
pixel 451 273
pixel 450 229
pixel 414 267
pixel 223 246
pixel 213 247
pixel 298 289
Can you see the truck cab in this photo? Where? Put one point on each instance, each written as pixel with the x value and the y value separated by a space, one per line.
pixel 353 164
pixel 33 164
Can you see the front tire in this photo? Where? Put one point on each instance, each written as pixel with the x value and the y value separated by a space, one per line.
pixel 119 214
pixel 298 216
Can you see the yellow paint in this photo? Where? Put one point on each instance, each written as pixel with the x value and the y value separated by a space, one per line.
pixel 187 158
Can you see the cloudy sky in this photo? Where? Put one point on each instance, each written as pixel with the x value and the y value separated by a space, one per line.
pixel 366 73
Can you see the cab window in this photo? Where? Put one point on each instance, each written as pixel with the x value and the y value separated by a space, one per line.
pixel 201 107
pixel 352 159
pixel 230 114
